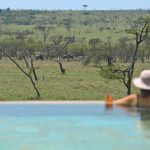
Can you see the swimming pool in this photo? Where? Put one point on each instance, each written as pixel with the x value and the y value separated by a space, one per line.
pixel 73 127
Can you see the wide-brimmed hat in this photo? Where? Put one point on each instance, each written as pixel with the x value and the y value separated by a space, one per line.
pixel 143 82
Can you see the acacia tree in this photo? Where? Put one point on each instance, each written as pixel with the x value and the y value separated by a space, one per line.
pixel 94 49
pixel 125 73
pixel 85 6
pixel 44 32
pixel 125 49
pixel 68 24
pixel 146 47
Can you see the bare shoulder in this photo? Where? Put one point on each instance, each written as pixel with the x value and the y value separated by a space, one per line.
pixel 127 100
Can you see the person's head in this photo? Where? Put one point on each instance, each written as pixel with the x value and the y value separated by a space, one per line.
pixel 143 83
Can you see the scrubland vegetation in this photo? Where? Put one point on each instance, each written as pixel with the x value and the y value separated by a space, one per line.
pixel 77 55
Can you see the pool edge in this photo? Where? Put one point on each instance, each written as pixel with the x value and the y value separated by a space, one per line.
pixel 52 102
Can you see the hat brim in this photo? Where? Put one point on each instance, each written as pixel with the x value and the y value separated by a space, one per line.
pixel 139 83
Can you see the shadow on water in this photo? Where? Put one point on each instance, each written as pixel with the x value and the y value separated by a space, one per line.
pixel 143 123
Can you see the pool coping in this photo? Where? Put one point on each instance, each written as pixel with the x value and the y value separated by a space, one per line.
pixel 52 102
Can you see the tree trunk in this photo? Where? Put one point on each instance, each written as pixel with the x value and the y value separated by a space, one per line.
pixel 37 92
pixel 27 64
pixel 33 69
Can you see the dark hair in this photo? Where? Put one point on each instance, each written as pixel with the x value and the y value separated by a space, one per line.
pixel 145 93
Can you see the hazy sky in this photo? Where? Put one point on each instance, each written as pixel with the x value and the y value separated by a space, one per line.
pixel 74 4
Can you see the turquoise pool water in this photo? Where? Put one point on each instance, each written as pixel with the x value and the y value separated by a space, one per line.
pixel 73 127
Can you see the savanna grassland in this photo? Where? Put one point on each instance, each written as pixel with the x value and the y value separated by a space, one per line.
pixel 83 24
pixel 97 35
pixel 79 83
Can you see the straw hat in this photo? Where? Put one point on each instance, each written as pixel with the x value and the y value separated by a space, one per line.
pixel 143 82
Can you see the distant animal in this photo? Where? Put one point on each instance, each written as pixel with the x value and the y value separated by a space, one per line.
pixel 39 57
pixel 68 56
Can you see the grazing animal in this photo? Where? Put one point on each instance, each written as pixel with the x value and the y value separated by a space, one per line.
pixel 69 56
pixel 39 57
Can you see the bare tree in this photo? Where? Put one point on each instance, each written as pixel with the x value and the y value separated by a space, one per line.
pixel 29 75
pixel 26 62
pixel 61 67
pixel 59 45
pixel 33 70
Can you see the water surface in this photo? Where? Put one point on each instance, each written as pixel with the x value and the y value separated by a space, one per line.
pixel 73 127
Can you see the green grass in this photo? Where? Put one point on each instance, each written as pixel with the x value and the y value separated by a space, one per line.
pixel 79 83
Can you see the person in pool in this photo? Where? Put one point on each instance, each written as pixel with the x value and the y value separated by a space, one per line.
pixel 138 100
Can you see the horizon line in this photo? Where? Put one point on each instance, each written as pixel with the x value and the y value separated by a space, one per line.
pixel 75 9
